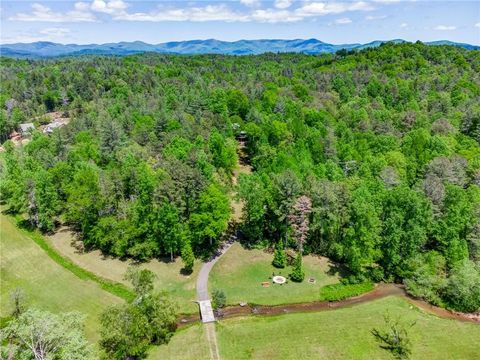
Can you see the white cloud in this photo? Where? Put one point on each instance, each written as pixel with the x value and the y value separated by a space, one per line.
pixel 41 13
pixel 196 14
pixel 375 17
pixel 54 34
pixel 250 3
pixel 343 21
pixel 324 8
pixel 81 6
pixel 109 7
pixel 283 4
pixel 403 25
pixel 477 25
pixel 118 10
pixel 274 16
pixel 445 27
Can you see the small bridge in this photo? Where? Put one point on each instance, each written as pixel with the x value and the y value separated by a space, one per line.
pixel 206 311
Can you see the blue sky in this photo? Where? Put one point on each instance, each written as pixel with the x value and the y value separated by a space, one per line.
pixel 101 21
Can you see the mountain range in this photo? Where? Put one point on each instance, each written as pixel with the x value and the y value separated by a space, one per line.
pixel 42 49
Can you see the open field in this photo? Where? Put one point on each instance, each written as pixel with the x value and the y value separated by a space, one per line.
pixel 47 285
pixel 187 344
pixel 240 273
pixel 169 276
pixel 336 334
pixel 345 334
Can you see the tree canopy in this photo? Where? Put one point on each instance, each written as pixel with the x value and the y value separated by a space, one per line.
pixel 384 142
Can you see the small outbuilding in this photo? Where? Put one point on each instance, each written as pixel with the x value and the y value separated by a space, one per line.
pixel 52 126
pixel 26 129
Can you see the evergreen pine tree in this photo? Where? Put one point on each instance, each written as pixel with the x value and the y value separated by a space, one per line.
pixel 298 274
pixel 187 257
pixel 279 257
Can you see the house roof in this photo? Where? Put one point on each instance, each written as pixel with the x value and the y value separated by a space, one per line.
pixel 50 127
pixel 27 127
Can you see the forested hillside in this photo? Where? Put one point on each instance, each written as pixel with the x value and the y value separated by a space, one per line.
pixel 384 144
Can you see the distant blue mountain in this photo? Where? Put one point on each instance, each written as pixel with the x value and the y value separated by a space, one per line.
pixel 211 46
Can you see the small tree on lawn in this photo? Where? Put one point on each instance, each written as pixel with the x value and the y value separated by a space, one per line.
pixel 219 299
pixel 17 296
pixel 298 274
pixel 129 329
pixel 141 279
pixel 187 257
pixel 279 256
pixel 394 338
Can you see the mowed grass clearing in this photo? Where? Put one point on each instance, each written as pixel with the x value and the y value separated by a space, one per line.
pixel 345 334
pixel 168 274
pixel 48 286
pixel 240 273
pixel 187 344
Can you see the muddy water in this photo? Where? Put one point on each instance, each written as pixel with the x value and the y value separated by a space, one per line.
pixel 380 291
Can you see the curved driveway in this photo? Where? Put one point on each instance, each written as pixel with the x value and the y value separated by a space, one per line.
pixel 202 280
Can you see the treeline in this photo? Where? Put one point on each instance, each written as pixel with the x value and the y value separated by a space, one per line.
pixel 134 173
pixel 384 142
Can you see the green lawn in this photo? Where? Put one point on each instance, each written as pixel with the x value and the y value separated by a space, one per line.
pixel 168 274
pixel 345 334
pixel 187 344
pixel 336 334
pixel 47 285
pixel 240 274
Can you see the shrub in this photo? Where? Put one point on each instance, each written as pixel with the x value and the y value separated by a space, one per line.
pixel 340 291
pixel 462 291
pixel 427 277
pixel 219 299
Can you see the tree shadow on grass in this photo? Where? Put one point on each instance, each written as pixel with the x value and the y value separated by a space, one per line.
pixel 185 272
pixel 24 224
pixel 7 211
pixel 336 269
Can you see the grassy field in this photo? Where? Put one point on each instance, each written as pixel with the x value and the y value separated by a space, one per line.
pixel 187 344
pixel 345 334
pixel 240 273
pixel 337 334
pixel 169 276
pixel 47 285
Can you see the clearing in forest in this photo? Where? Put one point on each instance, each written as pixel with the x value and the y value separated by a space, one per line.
pixel 169 276
pixel 240 273
pixel 47 285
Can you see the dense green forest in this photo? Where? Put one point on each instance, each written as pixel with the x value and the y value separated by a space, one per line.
pixel 381 144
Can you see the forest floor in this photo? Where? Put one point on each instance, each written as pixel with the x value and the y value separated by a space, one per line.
pixel 47 285
pixel 338 334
